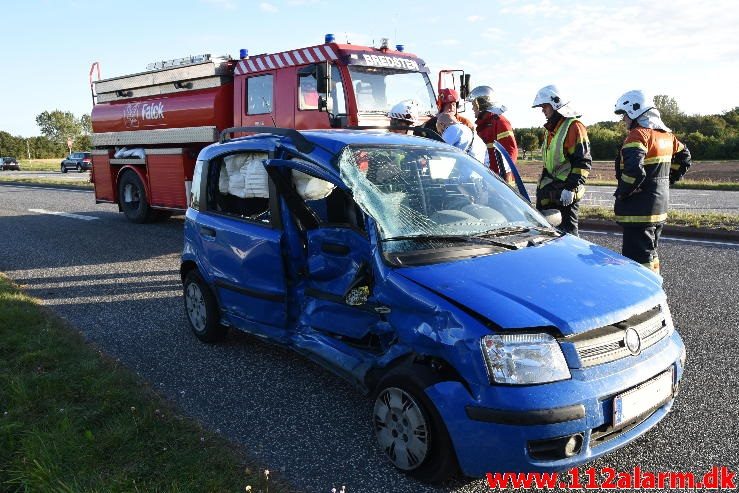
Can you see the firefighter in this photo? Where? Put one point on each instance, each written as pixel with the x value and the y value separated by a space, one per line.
pixel 650 160
pixel 492 126
pixel 448 102
pixel 566 156
pixel 403 114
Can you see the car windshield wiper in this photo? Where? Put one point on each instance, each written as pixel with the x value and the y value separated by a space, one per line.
pixel 456 238
pixel 504 231
pixel 542 231
pixel 462 238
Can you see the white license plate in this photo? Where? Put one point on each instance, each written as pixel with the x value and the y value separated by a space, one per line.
pixel 642 399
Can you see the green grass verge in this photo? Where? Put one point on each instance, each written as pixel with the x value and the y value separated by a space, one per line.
pixel 709 220
pixel 40 164
pixel 73 421
pixel 83 182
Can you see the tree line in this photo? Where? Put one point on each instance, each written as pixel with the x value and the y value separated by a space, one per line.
pixel 707 136
pixel 56 127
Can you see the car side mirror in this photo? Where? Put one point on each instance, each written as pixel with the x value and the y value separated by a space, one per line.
pixel 553 217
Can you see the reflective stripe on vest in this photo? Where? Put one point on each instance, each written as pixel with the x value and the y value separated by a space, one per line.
pixel 556 165
pixel 656 218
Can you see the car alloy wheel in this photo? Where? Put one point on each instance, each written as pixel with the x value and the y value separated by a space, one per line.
pixel 401 428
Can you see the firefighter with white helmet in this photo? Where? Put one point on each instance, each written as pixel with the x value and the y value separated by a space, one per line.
pixel 404 114
pixel 650 160
pixel 566 156
pixel 492 126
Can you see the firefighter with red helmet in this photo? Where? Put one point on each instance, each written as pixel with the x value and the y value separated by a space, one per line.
pixel 566 156
pixel 492 126
pixel 448 102
pixel 650 160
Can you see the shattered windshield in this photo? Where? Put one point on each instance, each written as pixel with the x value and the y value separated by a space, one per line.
pixel 378 89
pixel 430 192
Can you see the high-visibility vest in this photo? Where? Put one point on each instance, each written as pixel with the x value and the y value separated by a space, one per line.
pixel 556 164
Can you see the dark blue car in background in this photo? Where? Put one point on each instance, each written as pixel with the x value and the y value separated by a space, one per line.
pixel 489 340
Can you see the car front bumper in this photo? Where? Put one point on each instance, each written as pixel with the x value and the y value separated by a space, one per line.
pixel 494 431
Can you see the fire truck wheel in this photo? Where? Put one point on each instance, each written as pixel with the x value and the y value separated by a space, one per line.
pixel 202 310
pixel 132 198
pixel 409 429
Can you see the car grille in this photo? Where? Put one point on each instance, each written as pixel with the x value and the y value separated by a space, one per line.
pixel 607 344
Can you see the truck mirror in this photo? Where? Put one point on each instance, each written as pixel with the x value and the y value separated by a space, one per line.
pixel 322 78
pixel 322 103
pixel 464 86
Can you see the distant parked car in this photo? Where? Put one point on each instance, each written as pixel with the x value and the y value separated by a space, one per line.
pixel 7 163
pixel 81 161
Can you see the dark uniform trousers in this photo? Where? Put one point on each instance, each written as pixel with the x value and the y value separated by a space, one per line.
pixel 640 244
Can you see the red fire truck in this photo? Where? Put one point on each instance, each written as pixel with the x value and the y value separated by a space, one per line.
pixel 148 127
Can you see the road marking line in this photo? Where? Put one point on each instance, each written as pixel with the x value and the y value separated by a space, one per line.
pixel 44 188
pixel 667 238
pixel 63 214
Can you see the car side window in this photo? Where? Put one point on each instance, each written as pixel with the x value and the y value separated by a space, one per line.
pixel 238 186
pixel 259 95
pixel 194 199
pixel 329 203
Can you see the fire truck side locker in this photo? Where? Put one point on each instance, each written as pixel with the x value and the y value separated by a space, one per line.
pixel 103 177
pixel 169 174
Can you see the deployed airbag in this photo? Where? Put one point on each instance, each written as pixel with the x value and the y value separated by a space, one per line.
pixel 244 175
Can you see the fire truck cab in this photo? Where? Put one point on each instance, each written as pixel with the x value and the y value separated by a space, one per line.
pixel 148 127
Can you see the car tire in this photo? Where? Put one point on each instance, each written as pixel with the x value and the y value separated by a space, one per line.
pixel 136 208
pixel 201 309
pixel 64 169
pixel 79 169
pixel 409 429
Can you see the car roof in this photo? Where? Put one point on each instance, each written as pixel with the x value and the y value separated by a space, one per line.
pixel 332 141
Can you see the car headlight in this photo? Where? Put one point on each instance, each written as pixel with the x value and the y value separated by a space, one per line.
pixel 522 359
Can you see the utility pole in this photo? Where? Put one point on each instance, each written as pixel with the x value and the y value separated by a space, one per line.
pixel 28 149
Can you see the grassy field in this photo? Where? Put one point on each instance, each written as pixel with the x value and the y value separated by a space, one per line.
pixel 72 420
pixel 709 220
pixel 40 164
pixel 703 175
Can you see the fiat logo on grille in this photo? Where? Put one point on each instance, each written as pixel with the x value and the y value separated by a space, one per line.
pixel 632 341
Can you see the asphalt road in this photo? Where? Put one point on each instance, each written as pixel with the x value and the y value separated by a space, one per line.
pixel 119 284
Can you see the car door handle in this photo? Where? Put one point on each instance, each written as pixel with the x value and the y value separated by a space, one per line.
pixel 335 248
pixel 207 232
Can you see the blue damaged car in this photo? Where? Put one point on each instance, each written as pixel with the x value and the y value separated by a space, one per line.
pixel 489 340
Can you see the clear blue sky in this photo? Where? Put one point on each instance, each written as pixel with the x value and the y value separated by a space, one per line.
pixel 593 50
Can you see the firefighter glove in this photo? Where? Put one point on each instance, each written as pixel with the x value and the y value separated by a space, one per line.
pixel 567 197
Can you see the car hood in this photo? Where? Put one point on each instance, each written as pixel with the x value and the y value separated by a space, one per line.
pixel 568 283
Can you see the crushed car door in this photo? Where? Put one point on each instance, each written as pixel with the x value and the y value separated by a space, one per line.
pixel 241 242
pixel 337 282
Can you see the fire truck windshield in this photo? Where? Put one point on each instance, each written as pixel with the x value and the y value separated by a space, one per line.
pixel 378 89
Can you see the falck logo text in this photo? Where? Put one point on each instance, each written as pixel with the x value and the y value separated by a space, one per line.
pixel 133 112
